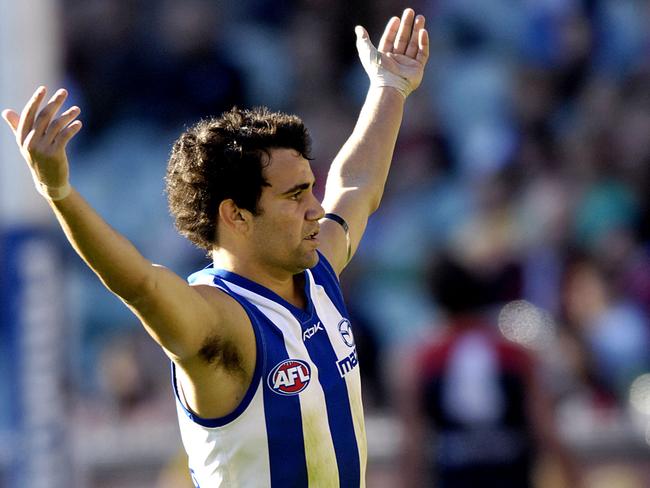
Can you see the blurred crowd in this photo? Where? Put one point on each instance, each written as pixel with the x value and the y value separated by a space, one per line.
pixel 525 156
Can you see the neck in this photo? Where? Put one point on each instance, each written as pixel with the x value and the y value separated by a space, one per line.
pixel 287 285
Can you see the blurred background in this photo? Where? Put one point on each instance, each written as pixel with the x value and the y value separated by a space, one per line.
pixel 523 160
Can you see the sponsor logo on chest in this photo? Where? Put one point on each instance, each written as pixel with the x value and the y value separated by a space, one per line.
pixel 345 329
pixel 309 332
pixel 348 363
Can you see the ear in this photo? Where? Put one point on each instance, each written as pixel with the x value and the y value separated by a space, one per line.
pixel 234 218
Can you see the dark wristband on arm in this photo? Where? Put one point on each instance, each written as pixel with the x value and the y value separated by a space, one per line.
pixel 346 228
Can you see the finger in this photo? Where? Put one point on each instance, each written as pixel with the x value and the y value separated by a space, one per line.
pixel 368 54
pixel 412 48
pixel 44 117
pixel 361 32
pixel 28 143
pixel 423 46
pixel 27 115
pixel 404 33
pixel 61 122
pixel 12 118
pixel 68 133
pixel 388 37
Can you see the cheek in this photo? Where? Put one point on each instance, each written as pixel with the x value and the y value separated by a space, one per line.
pixel 277 229
pixel 282 223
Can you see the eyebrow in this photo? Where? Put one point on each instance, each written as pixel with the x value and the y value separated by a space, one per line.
pixel 296 188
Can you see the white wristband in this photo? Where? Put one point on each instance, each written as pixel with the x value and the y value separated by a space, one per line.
pixel 386 78
pixel 53 193
pixel 380 76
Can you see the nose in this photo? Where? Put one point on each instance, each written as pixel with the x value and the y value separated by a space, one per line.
pixel 315 211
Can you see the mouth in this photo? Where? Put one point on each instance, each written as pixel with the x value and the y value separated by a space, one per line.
pixel 312 236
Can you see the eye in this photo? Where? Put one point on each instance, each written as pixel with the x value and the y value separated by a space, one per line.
pixel 296 196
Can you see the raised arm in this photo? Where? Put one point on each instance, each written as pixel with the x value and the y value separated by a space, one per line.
pixel 170 309
pixel 356 179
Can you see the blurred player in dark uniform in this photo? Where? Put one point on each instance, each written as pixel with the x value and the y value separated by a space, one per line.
pixel 473 409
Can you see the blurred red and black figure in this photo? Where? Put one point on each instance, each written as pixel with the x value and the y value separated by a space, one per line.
pixel 474 412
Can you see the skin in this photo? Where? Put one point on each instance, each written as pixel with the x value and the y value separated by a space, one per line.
pixel 274 246
pixel 282 233
pixel 270 248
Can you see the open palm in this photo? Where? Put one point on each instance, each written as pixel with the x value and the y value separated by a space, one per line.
pixel 404 47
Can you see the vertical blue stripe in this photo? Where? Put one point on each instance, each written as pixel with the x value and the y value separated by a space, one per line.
pixel 283 419
pixel 339 412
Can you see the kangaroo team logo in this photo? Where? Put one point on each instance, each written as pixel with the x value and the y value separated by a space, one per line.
pixel 289 377
pixel 345 328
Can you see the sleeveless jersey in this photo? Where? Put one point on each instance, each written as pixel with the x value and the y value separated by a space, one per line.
pixel 301 421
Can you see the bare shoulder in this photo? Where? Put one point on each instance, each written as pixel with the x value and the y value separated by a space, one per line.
pixel 231 312
pixel 217 376
pixel 228 344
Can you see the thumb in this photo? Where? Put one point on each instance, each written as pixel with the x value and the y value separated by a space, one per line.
pixel 364 45
pixel 12 118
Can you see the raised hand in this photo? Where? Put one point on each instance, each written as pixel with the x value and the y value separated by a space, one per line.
pixel 42 140
pixel 402 54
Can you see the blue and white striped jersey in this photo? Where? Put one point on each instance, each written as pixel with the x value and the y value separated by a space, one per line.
pixel 301 421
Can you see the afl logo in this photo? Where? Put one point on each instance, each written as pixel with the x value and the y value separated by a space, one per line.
pixel 289 377
pixel 345 328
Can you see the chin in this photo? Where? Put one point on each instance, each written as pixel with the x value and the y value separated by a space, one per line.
pixel 314 260
pixel 307 261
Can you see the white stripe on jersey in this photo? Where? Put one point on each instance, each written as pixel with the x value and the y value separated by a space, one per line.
pixel 221 467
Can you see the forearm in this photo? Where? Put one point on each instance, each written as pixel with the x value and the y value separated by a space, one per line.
pixel 364 160
pixel 117 263
pixel 158 297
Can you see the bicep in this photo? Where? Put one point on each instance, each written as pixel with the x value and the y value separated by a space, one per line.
pixel 350 205
pixel 178 316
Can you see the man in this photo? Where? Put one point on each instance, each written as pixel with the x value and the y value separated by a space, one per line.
pixel 264 365
pixel 475 397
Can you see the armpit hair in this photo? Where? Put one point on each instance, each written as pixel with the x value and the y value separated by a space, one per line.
pixel 220 352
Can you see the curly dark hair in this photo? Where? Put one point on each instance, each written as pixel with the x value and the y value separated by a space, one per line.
pixel 222 158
